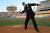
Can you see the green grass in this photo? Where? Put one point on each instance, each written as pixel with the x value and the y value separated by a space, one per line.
pixel 12 18
pixel 15 22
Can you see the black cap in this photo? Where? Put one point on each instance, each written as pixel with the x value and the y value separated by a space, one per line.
pixel 23 3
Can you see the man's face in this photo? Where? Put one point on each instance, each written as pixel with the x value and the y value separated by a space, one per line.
pixel 24 4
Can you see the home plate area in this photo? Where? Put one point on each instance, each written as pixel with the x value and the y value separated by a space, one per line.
pixel 20 29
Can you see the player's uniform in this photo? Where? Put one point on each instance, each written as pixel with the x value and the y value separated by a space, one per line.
pixel 30 15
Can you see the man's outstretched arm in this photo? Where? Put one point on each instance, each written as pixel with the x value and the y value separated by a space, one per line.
pixel 34 4
pixel 23 11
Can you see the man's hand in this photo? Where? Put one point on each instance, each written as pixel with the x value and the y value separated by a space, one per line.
pixel 20 12
pixel 40 4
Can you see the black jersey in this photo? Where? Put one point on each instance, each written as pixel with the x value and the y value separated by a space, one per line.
pixel 28 9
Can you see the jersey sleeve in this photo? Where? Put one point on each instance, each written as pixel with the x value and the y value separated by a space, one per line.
pixel 23 11
pixel 33 4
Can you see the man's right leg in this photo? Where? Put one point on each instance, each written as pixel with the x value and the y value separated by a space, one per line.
pixel 26 22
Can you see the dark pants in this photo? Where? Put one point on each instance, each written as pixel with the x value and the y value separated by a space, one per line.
pixel 33 20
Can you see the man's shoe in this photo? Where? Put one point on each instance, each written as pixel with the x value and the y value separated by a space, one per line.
pixel 25 28
pixel 37 30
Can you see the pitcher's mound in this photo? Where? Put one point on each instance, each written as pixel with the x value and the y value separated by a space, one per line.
pixel 20 29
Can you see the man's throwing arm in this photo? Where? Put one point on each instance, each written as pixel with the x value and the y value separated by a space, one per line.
pixel 33 4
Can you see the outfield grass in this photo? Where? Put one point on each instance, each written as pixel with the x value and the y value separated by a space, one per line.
pixel 15 22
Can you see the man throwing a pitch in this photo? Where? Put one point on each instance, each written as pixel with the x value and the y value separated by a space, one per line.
pixel 29 14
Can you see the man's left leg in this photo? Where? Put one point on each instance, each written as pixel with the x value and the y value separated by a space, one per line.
pixel 35 25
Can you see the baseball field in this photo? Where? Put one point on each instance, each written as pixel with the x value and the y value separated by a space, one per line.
pixel 16 25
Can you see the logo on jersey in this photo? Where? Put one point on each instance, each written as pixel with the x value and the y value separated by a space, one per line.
pixel 28 7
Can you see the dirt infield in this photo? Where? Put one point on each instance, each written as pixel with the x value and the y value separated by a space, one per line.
pixel 20 29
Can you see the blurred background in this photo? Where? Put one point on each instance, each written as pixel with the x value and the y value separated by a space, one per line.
pixel 13 8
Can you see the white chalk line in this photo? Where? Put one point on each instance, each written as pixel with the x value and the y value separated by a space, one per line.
pixel 46 21
pixel 18 26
